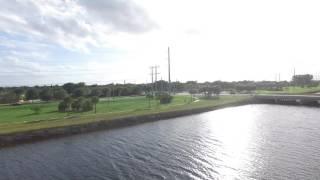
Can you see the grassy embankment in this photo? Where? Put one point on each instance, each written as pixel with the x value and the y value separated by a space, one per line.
pixel 21 118
pixel 292 90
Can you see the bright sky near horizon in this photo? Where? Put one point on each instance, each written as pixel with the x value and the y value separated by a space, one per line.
pixel 103 41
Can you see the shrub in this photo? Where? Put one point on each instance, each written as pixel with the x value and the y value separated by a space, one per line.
pixel 87 105
pixel 36 109
pixel 63 106
pixel 165 98
pixel 77 104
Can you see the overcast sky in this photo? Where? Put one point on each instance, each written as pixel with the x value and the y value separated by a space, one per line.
pixel 103 41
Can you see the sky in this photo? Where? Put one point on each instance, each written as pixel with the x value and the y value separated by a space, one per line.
pixel 45 42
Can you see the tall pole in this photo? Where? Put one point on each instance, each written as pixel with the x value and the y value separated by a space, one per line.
pixel 294 74
pixel 156 73
pixel 152 67
pixel 279 77
pixel 156 76
pixel 151 74
pixel 169 73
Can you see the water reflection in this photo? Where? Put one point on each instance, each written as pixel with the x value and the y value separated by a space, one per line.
pixel 226 141
pixel 248 142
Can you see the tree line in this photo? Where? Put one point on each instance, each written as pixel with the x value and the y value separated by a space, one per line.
pixel 9 95
pixel 74 90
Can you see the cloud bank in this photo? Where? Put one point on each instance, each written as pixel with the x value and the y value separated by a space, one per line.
pixel 32 30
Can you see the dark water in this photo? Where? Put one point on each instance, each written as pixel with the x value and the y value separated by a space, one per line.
pixel 248 142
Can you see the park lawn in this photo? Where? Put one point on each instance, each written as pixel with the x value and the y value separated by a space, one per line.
pixel 292 90
pixel 23 113
pixel 21 118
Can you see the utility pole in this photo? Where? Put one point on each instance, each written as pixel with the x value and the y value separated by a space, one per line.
pixel 156 73
pixel 156 76
pixel 279 77
pixel 169 73
pixel 294 74
pixel 152 67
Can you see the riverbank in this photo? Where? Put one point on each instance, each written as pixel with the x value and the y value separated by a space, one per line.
pixel 292 90
pixel 76 125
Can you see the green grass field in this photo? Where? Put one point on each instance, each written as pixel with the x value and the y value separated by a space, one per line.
pixel 22 118
pixel 292 90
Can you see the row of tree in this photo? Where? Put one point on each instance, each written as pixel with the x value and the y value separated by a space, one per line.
pixel 80 104
pixel 76 90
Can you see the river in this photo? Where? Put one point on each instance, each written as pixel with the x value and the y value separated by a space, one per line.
pixel 246 142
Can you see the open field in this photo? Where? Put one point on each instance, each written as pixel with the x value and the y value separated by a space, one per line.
pixel 292 90
pixel 21 118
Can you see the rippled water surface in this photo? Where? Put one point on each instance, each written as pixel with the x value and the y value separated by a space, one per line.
pixel 247 142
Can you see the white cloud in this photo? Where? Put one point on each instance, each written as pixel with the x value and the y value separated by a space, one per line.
pixel 74 24
pixel 210 40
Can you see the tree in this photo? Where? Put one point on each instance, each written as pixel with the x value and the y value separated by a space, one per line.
pixel 95 92
pixel 19 92
pixel 69 87
pixel 87 105
pixel 79 92
pixel 46 94
pixel 9 97
pixel 77 104
pixel 59 94
pixel 67 102
pixel 63 106
pixel 106 92
pixel 161 85
pixel 302 80
pixel 95 100
pixel 81 84
pixel 32 94
pixel 165 98
pixel 216 90
pixel 207 91
pixel 68 99
pixel 192 92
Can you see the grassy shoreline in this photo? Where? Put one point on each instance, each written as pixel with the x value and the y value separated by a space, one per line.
pixel 16 132
pixel 294 90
